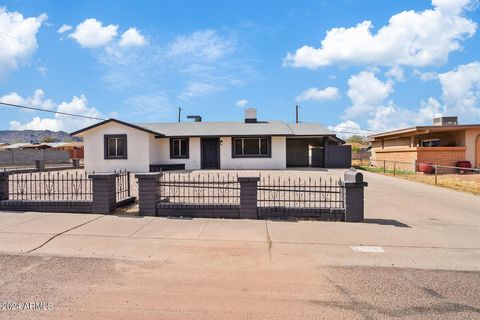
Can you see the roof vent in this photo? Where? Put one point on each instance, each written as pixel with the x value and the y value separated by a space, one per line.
pixel 250 115
pixel 445 121
pixel 197 118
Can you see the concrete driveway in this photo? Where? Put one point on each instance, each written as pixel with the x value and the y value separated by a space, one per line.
pixel 416 255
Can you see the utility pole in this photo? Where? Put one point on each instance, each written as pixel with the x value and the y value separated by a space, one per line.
pixel 179 113
pixel 296 113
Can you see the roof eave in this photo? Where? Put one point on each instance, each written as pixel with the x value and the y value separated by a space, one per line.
pixel 75 133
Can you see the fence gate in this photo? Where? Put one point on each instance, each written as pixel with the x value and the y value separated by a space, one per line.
pixel 316 198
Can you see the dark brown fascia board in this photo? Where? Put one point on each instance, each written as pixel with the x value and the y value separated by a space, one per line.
pixel 423 129
pixel 119 122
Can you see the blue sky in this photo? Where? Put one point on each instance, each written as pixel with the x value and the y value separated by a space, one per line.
pixel 351 65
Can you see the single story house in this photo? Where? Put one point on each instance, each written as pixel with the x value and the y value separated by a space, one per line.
pixel 74 148
pixel 250 144
pixel 443 143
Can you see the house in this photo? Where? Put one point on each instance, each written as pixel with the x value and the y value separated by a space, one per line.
pixel 443 143
pixel 74 148
pixel 250 144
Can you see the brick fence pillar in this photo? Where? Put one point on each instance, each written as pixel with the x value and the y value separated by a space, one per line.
pixel 248 197
pixel 148 193
pixel 4 185
pixel 40 165
pixel 104 192
pixel 354 195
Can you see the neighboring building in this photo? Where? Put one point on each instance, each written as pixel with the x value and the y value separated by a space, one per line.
pixel 444 143
pixel 26 145
pixel 74 148
pixel 113 144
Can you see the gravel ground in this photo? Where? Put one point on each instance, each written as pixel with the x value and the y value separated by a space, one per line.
pixel 233 284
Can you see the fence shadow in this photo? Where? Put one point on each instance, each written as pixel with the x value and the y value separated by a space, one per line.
pixel 387 222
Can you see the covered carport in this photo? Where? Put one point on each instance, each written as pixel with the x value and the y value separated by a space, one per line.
pixel 317 151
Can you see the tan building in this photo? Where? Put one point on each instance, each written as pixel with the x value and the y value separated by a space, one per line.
pixel 443 143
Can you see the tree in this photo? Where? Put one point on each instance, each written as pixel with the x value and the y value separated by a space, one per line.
pixel 48 140
pixel 357 139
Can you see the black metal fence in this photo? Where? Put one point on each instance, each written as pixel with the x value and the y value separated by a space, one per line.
pixel 49 186
pixel 177 191
pixel 306 197
pixel 122 185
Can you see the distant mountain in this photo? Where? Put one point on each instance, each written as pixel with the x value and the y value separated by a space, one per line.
pixel 14 136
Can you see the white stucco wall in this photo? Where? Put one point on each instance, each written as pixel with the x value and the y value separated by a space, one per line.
pixel 470 139
pixel 277 161
pixel 137 149
pixel 160 153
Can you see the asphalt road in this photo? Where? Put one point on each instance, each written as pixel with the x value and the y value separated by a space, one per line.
pixel 417 256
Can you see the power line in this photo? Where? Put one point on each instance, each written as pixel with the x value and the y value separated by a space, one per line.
pixel 50 111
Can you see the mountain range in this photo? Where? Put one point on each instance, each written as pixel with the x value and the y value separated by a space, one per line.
pixel 14 136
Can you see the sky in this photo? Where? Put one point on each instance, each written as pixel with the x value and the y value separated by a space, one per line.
pixel 357 66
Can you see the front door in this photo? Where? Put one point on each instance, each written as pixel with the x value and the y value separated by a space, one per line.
pixel 210 153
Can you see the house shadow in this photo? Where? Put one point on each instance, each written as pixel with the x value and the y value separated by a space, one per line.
pixel 387 222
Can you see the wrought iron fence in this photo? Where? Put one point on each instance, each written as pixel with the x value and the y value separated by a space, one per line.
pixel 458 178
pixel 49 186
pixel 310 196
pixel 198 191
pixel 122 185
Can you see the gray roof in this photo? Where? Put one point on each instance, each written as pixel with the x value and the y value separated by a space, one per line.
pixel 273 128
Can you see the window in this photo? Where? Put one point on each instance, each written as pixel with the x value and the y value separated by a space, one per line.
pixel 431 143
pixel 251 147
pixel 115 146
pixel 178 148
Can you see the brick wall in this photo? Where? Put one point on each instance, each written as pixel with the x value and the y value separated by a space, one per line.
pixel 444 156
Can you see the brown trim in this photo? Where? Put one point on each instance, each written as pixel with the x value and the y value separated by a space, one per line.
pixel 119 122
pixel 105 146
pixel 269 147
pixel 172 156
pixel 428 129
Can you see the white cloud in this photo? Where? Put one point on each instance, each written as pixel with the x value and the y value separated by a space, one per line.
pixel 391 117
pixel 132 38
pixel 36 100
pixel 78 105
pixel 18 38
pixel 64 28
pixel 348 128
pixel 315 94
pixel 366 92
pixel 425 76
pixel 461 91
pixel 91 33
pixel 241 103
pixel 197 89
pixel 396 73
pixel 410 38
pixel 205 44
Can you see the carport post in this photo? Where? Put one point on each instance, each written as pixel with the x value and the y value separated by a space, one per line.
pixel 40 165
pixel 103 192
pixel 148 194
pixel 4 185
pixel 248 197
pixel 354 195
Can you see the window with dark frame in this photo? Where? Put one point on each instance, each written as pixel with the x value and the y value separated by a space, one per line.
pixel 178 148
pixel 115 146
pixel 431 143
pixel 255 147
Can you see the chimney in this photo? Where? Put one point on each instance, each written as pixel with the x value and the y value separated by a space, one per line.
pixel 196 118
pixel 250 115
pixel 445 121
